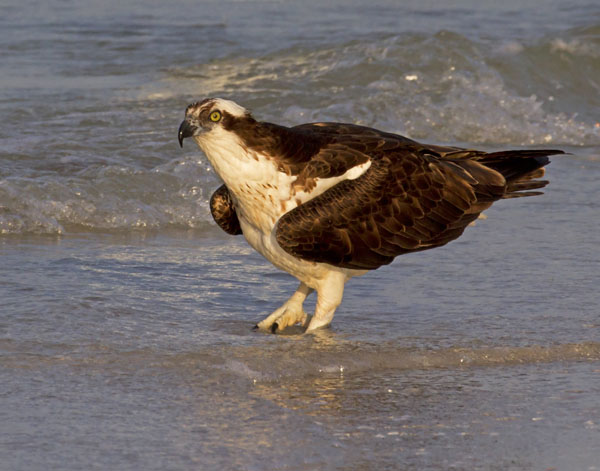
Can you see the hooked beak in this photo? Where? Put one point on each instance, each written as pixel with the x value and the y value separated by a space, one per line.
pixel 186 129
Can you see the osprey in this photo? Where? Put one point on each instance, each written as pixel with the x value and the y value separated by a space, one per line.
pixel 329 201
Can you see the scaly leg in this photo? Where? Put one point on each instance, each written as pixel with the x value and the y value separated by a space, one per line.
pixel 329 297
pixel 290 313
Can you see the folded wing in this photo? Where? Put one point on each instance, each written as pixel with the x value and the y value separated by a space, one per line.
pixel 223 211
pixel 412 198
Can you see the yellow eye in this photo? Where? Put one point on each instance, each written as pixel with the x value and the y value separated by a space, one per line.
pixel 215 116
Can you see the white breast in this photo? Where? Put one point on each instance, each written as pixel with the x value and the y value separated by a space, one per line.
pixel 262 194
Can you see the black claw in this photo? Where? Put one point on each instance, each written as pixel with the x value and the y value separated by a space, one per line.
pixel 274 327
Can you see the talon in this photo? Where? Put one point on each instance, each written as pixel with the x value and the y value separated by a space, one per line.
pixel 274 327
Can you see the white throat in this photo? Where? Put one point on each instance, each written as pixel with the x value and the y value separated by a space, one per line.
pixel 229 157
pixel 259 190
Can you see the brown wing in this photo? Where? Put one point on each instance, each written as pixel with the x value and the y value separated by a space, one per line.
pixel 223 211
pixel 348 130
pixel 343 146
pixel 408 200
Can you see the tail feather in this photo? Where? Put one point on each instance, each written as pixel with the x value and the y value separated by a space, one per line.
pixel 521 169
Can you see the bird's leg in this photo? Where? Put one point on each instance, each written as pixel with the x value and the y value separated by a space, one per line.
pixel 329 297
pixel 290 313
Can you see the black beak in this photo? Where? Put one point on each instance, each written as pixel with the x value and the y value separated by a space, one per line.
pixel 185 130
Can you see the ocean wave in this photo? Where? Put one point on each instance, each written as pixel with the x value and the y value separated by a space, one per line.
pixel 304 357
pixel 350 358
pixel 82 164
pixel 108 198
pixel 442 87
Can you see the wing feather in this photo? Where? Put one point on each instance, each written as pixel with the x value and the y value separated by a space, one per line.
pixel 405 202
pixel 223 211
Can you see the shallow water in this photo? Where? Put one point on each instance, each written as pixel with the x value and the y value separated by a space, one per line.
pixel 126 315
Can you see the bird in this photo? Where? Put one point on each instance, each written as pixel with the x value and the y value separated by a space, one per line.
pixel 328 201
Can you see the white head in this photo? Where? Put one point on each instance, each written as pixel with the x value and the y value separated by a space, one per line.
pixel 240 147
pixel 225 131
pixel 210 115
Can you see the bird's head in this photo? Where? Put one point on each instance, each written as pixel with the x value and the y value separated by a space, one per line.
pixel 212 117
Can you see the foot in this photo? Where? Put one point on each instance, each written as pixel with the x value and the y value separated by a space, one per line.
pixel 286 316
pixel 289 314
